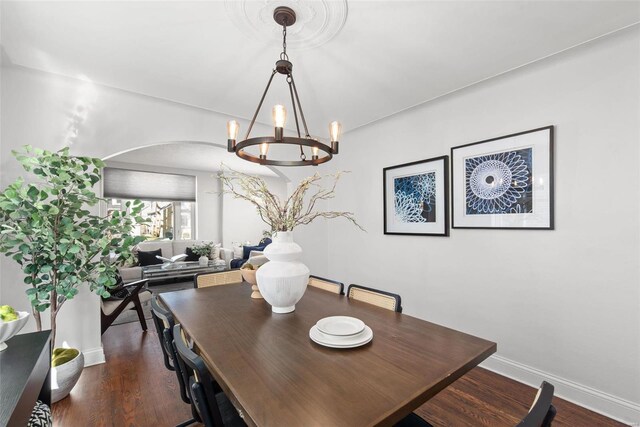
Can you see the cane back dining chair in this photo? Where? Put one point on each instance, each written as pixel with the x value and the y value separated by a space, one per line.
pixel 204 280
pixel 213 406
pixel 327 284
pixel 541 413
pixel 376 297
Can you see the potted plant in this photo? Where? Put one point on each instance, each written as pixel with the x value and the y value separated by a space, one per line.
pixel 284 279
pixel 47 229
pixel 204 251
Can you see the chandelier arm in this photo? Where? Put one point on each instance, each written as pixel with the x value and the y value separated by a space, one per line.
pixel 295 115
pixel 253 120
pixel 295 112
pixel 295 91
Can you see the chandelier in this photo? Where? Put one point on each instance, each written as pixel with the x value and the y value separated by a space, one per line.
pixel 285 17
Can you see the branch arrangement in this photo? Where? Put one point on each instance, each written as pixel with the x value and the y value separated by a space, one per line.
pixel 285 215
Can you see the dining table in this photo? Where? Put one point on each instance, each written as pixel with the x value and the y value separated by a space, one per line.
pixel 275 375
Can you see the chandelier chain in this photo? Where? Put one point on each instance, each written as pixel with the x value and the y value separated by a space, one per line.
pixel 284 55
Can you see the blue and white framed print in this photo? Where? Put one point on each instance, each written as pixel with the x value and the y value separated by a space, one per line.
pixel 504 182
pixel 416 198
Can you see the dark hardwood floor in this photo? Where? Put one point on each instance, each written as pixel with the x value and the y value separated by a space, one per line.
pixel 134 389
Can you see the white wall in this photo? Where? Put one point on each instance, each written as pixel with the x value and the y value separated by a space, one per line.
pixel 208 198
pixel 563 302
pixel 49 111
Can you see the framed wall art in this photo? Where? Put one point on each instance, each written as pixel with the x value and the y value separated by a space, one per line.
pixel 416 198
pixel 505 182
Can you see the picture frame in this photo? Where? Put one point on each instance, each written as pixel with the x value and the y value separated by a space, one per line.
pixel 416 198
pixel 504 182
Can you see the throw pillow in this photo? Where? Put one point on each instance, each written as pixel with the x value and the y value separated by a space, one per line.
pixel 246 250
pixel 215 251
pixel 265 241
pixel 149 257
pixel 237 252
pixel 40 416
pixel 190 255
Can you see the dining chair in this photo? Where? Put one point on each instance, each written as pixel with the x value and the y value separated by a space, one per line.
pixel 164 322
pixel 541 413
pixel 204 280
pixel 376 297
pixel 213 406
pixel 133 296
pixel 327 284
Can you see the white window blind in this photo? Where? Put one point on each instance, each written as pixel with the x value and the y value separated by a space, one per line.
pixel 132 184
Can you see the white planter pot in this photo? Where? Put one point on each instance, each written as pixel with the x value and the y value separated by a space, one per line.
pixel 204 261
pixel 65 377
pixel 283 280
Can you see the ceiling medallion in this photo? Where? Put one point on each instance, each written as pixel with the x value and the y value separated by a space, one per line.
pixel 285 17
pixel 317 21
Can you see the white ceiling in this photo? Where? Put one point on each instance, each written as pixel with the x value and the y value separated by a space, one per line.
pixel 190 156
pixel 381 58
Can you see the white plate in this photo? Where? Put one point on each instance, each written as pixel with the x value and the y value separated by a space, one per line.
pixel 340 325
pixel 327 341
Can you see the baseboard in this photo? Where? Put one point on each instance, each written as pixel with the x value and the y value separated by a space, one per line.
pixel 94 356
pixel 603 403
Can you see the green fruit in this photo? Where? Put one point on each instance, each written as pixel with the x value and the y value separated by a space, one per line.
pixel 5 309
pixel 9 317
pixel 63 355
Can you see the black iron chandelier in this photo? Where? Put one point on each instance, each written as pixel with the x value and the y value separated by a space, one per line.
pixel 285 17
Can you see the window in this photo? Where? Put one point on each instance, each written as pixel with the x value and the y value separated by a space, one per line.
pixel 169 201
pixel 167 220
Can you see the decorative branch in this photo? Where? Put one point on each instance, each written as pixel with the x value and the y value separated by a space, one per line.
pixel 284 216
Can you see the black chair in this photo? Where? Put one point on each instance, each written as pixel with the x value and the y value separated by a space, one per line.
pixel 213 406
pixel 164 323
pixel 376 297
pixel 541 413
pixel 162 320
pixel 327 284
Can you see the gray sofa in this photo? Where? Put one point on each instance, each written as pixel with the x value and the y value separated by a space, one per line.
pixel 169 248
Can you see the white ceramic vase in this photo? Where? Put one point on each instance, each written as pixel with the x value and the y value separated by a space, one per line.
pixel 283 280
pixel 203 261
pixel 65 377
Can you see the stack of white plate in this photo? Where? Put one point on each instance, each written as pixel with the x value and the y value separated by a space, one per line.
pixel 341 332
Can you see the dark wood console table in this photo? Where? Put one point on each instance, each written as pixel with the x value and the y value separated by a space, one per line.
pixel 25 373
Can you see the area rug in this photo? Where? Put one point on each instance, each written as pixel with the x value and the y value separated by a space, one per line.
pixel 129 316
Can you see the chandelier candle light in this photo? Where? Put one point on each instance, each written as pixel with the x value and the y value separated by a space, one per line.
pixel 285 17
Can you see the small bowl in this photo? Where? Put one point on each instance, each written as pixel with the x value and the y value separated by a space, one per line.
pixel 249 276
pixel 9 329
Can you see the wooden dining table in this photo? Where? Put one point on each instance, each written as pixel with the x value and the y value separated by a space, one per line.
pixel 276 375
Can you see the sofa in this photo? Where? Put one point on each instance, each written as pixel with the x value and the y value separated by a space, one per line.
pixel 169 248
pixel 249 251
